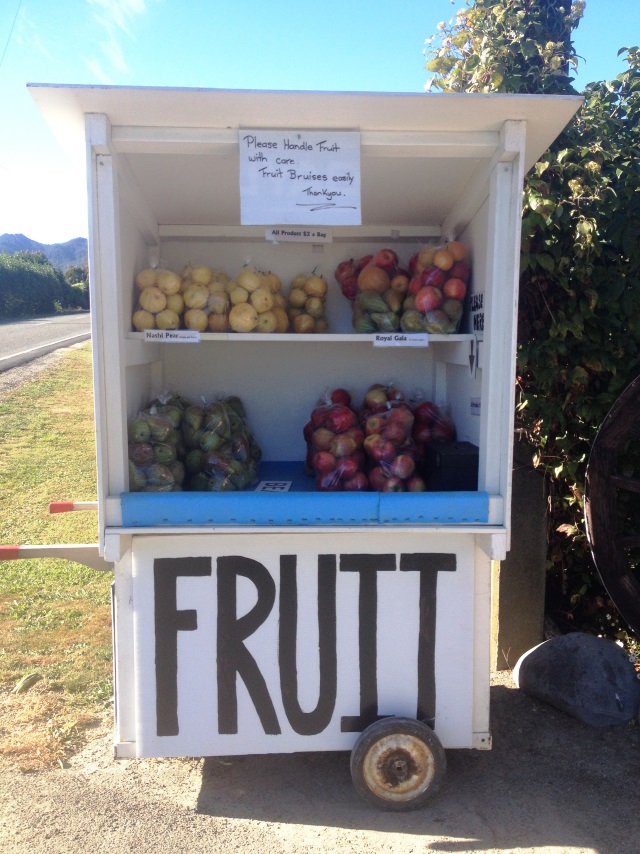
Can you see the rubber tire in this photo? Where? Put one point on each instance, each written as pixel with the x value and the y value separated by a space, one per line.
pixel 398 764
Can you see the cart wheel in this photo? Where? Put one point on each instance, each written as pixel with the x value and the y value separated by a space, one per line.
pixel 611 516
pixel 397 764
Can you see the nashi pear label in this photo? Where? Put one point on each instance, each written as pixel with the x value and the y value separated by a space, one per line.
pixel 299 177
pixel 173 336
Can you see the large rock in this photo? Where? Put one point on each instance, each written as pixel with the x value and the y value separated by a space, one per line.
pixel 587 677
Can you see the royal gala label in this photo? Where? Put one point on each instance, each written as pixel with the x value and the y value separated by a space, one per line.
pixel 401 339
pixel 299 177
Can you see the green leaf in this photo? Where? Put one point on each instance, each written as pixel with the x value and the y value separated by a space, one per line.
pixel 545 261
pixel 472 62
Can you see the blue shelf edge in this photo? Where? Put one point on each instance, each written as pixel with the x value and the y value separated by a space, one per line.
pixel 301 506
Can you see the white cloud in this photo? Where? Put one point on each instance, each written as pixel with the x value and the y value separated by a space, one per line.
pixel 114 18
pixel 118 13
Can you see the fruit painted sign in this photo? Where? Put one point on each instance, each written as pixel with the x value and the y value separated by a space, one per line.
pixel 299 177
pixel 244 650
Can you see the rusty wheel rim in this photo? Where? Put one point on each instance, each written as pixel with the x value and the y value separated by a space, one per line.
pixel 603 485
pixel 399 767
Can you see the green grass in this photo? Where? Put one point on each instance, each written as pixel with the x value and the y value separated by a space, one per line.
pixel 54 614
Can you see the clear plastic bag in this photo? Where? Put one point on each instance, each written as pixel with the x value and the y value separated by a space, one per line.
pixel 335 455
pixel 221 452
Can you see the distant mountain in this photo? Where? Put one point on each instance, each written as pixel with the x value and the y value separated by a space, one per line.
pixel 62 255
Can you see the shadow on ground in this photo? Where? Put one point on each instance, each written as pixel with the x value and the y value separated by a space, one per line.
pixel 549 781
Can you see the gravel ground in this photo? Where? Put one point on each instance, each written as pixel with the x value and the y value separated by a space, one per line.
pixel 550 784
pixel 14 377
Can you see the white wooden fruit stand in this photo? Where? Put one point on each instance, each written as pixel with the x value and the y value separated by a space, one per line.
pixel 249 623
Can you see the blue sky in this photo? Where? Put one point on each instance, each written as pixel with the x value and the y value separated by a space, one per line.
pixel 334 45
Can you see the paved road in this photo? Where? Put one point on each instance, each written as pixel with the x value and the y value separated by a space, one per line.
pixel 24 340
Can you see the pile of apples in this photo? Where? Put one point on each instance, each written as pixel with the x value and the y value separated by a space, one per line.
pixel 306 300
pixel 425 296
pixel 335 445
pixel 387 421
pixel 203 299
pixel 378 447
pixel 155 448
pixel 221 453
pixel 177 445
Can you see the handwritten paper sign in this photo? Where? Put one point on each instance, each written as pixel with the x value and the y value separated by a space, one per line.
pixel 299 177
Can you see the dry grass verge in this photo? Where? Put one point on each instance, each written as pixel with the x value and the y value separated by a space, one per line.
pixel 54 615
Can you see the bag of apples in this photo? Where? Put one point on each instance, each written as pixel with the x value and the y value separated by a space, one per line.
pixel 437 289
pixel 155 449
pixel 222 453
pixel 387 421
pixel 432 423
pixel 335 454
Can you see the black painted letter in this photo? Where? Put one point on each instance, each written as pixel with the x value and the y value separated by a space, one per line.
pixel 233 656
pixel 428 565
pixel 168 622
pixel 308 723
pixel 367 566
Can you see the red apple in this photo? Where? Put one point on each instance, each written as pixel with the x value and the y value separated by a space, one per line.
pixel 340 395
pixel 401 414
pixel 415 484
pixel 373 440
pixel 323 462
pixel 428 299
pixel 348 467
pixel 360 457
pixel 349 287
pixel 426 412
pixel 396 432
pixel 356 434
pixel 375 399
pixel 454 289
pixel 377 478
pixel 383 452
pixel 403 466
pixel 460 270
pixel 339 418
pixel 318 415
pixel 393 484
pixel 394 394
pixel 433 276
pixel 343 445
pixel 379 449
pixel 386 258
pixel 413 263
pixel 362 263
pixel 357 483
pixel 421 433
pixel 322 439
pixel 345 270
pixel 374 424
pixel 415 284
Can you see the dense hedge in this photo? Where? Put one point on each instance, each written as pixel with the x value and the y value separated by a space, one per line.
pixel 579 310
pixel 30 286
